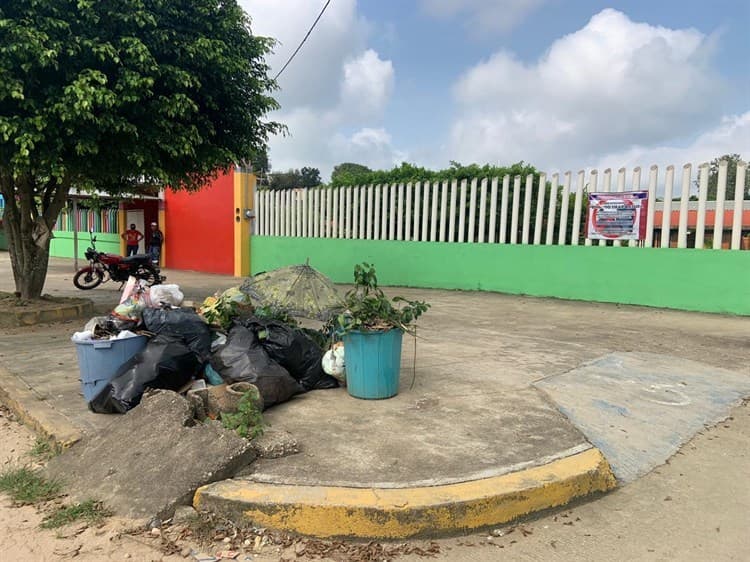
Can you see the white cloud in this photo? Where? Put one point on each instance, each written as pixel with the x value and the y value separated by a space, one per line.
pixel 333 86
pixel 312 78
pixel 371 146
pixel 730 136
pixel 367 84
pixel 611 85
pixel 484 16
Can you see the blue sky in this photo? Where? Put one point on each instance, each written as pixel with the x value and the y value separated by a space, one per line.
pixel 561 84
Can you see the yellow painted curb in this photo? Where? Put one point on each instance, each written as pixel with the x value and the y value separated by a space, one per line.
pixel 35 412
pixel 398 513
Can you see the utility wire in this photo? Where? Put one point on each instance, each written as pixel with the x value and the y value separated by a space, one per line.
pixel 309 31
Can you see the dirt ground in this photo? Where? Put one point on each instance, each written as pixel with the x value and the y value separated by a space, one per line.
pixel 694 508
pixel 23 540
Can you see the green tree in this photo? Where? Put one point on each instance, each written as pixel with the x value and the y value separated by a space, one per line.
pixel 713 177
pixel 348 173
pixel 294 178
pixel 310 177
pixel 290 179
pixel 110 94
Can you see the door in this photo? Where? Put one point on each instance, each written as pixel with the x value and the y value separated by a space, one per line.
pixel 135 216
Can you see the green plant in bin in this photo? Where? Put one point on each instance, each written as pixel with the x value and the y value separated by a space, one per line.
pixel 368 309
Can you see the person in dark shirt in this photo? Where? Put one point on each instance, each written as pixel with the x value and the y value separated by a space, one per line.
pixel 155 241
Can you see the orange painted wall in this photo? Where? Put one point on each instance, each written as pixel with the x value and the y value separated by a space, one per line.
pixel 200 230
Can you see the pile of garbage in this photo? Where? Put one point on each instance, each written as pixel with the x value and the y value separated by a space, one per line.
pixel 223 343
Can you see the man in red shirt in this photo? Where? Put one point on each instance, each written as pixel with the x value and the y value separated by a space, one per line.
pixel 132 237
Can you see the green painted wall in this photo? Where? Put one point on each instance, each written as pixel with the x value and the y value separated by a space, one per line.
pixel 61 245
pixel 700 280
pixel 3 241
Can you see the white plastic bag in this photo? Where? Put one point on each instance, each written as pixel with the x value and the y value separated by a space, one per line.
pixel 333 362
pixel 165 294
pixel 84 336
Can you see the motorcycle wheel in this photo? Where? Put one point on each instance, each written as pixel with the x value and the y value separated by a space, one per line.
pixel 149 273
pixel 88 278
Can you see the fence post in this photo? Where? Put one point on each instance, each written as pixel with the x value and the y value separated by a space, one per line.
pixel 293 212
pixel 335 222
pixel 444 209
pixel 384 213
pixel 417 216
pixel 392 214
pixel 721 188
pixel 593 181
pixel 354 232
pixel 636 187
pixel 462 211
pixel 328 218
pixel 552 209
pixel 504 210
pixel 527 208
pixel 371 213
pixel 739 193
pixel 425 210
pixel 433 215
pixel 666 214
pixel 362 211
pixel 514 212
pixel 408 217
pixel 482 210
pixel 400 213
pixel 316 212
pixel 452 214
pixel 349 212
pixel 700 225
pixel 562 233
pixel 540 209
pixel 653 177
pixel 378 194
pixel 493 211
pixel 472 211
pixel 342 211
pixel 684 199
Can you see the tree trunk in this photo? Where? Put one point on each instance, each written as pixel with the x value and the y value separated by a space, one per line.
pixel 26 217
pixel 29 265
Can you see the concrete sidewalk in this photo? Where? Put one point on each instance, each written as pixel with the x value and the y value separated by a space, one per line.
pixel 469 441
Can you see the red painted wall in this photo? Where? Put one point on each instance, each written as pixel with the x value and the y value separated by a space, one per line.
pixel 710 218
pixel 200 229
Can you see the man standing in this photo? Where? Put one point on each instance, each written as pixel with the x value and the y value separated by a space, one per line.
pixel 132 237
pixel 155 241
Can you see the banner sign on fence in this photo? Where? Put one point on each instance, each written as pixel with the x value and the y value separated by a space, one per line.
pixel 617 216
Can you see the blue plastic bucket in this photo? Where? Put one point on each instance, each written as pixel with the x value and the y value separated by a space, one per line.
pixel 99 360
pixel 373 363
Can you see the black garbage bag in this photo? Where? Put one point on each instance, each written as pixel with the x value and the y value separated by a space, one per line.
pixel 243 359
pixel 294 350
pixel 182 323
pixel 165 363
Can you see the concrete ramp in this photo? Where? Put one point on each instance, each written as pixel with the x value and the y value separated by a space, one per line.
pixel 639 408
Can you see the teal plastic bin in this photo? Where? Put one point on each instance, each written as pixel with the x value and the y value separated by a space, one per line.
pixel 373 363
pixel 99 360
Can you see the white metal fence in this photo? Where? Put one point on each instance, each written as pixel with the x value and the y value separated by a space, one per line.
pixel 548 209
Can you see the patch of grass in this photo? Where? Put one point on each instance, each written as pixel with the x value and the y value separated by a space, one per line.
pixel 25 485
pixel 91 511
pixel 43 450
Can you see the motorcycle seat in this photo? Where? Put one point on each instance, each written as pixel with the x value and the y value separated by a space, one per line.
pixel 137 258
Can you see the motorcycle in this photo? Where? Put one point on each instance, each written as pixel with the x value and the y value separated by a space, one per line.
pixel 103 267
